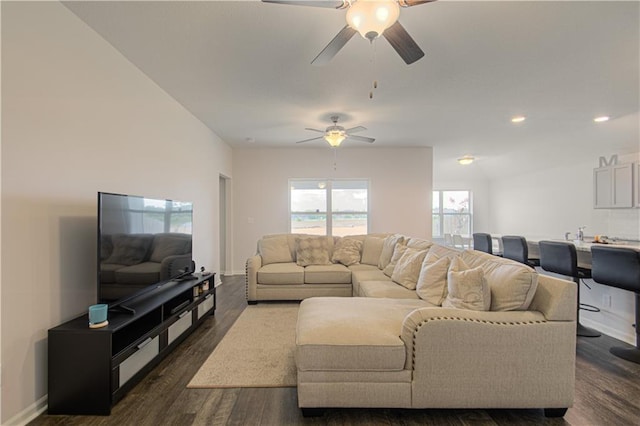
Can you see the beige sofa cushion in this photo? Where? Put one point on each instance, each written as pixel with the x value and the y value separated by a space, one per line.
pixel 385 288
pixel 347 251
pixel 432 281
pixel 327 274
pixel 312 251
pixel 397 254
pixel 419 243
pixel 371 249
pixel 274 249
pixel 444 251
pixel 407 269
pixel 351 334
pixel 388 249
pixel 360 274
pixel 281 273
pixel 467 288
pixel 512 284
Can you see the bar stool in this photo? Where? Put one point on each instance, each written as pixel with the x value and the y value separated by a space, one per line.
pixel 561 258
pixel 482 242
pixel 515 247
pixel 619 267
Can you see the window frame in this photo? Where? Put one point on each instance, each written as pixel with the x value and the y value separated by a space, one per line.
pixel 329 213
pixel 441 214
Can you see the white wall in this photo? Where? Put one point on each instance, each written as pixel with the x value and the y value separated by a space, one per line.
pixel 549 203
pixel 79 118
pixel 399 192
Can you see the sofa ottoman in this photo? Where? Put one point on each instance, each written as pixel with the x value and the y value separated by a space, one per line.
pixel 352 346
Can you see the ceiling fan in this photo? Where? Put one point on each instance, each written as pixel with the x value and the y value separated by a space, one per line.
pixel 370 18
pixel 335 134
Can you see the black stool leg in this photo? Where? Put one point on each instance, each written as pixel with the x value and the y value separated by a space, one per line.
pixel 631 354
pixel 581 330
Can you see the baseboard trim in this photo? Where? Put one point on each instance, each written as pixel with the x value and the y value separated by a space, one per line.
pixel 28 414
pixel 232 273
pixel 616 334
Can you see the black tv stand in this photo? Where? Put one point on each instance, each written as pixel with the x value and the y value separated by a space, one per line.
pixel 91 369
pixel 187 278
pixel 123 309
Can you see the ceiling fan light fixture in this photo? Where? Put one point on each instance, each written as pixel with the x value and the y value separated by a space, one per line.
pixel 335 137
pixel 371 17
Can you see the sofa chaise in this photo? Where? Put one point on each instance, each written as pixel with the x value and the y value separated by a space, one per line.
pixel 428 326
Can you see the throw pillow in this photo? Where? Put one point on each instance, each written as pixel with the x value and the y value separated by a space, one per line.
pixel 512 284
pixel 347 251
pixel 388 249
pixel 371 249
pixel 467 288
pixel 397 254
pixel 274 250
pixel 312 251
pixel 419 243
pixel 432 281
pixel 408 268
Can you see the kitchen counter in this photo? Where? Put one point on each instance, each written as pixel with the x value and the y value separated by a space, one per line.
pixel 587 243
pixel 583 248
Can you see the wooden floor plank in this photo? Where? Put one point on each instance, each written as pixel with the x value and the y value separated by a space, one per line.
pixel 607 391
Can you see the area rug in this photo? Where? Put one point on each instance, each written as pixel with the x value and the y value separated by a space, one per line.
pixel 256 352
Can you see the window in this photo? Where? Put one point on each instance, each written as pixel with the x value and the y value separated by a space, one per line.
pixel 329 207
pixel 452 213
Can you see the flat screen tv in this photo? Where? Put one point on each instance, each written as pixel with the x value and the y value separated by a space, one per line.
pixel 143 243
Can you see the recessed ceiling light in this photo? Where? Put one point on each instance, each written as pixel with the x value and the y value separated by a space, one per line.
pixel 466 160
pixel 518 119
pixel 601 119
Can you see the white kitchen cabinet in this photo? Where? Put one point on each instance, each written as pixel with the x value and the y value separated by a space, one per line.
pixel 613 186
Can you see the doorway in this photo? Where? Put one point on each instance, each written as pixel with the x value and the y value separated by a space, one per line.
pixel 223 192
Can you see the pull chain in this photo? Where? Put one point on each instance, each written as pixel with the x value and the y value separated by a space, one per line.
pixel 335 159
pixel 373 68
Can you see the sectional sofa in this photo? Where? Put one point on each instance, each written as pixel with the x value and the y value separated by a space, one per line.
pixel 427 327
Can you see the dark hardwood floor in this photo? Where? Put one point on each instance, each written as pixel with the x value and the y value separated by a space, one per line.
pixel 607 391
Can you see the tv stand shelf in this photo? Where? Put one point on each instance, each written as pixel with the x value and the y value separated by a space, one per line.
pixel 91 369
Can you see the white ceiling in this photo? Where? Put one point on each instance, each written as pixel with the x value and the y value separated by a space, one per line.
pixel 243 68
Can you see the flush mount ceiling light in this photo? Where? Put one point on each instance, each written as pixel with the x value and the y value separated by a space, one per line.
pixel 518 119
pixel 466 160
pixel 601 119
pixel 371 17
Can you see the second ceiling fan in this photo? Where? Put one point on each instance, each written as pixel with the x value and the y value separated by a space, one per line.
pixel 370 18
pixel 334 135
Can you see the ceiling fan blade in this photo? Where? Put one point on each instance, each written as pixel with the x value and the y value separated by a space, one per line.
pixel 355 129
pixel 333 4
pixel 314 130
pixel 402 42
pixel 361 138
pixel 409 3
pixel 334 46
pixel 312 139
